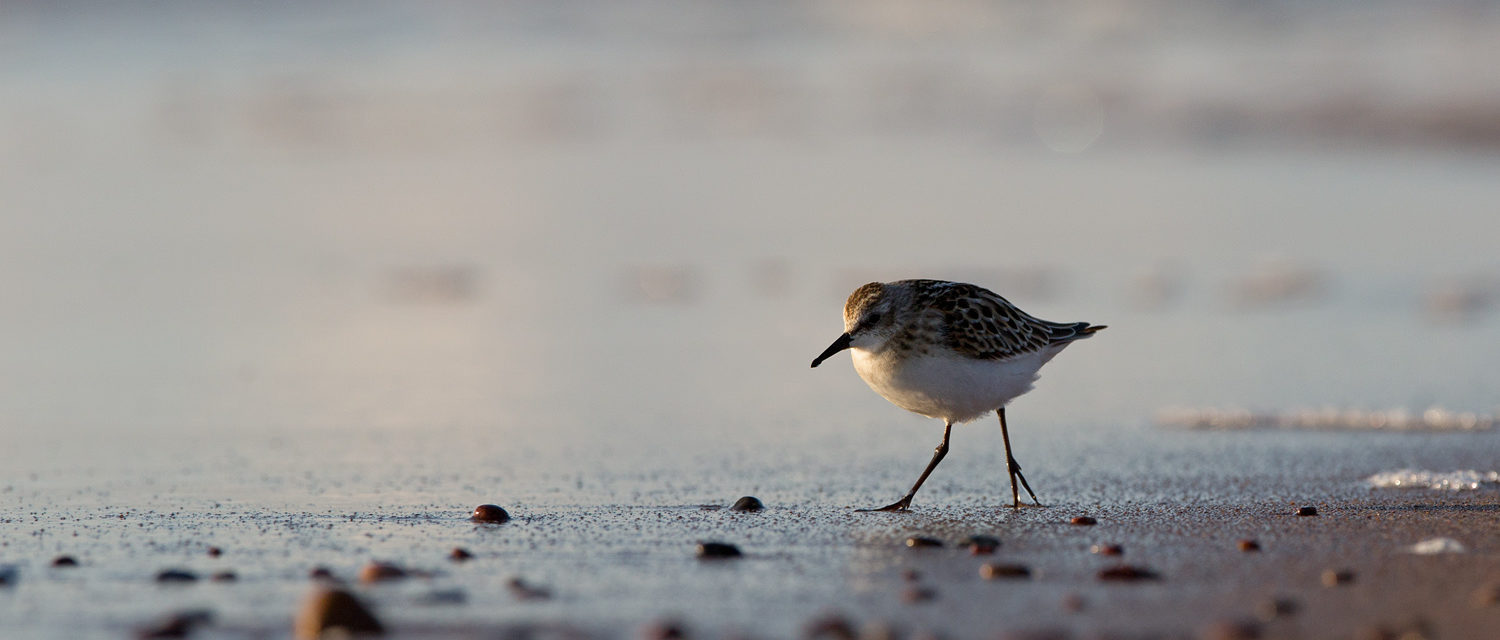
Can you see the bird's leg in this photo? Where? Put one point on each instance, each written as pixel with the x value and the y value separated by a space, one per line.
pixel 1014 467
pixel 937 456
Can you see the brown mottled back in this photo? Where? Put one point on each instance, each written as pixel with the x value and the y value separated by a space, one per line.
pixel 979 323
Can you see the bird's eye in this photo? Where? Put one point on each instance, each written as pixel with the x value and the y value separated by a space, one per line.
pixel 873 318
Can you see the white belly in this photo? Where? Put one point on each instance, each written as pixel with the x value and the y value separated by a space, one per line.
pixel 954 389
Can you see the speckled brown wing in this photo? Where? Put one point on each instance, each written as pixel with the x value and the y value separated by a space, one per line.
pixel 979 323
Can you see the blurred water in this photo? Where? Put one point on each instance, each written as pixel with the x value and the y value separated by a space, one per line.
pixel 578 241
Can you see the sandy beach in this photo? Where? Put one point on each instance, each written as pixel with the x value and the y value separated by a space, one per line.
pixel 288 291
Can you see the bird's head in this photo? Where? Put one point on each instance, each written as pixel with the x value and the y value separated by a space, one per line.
pixel 869 319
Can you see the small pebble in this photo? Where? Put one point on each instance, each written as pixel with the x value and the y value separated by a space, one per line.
pixel 1276 608
pixel 1333 578
pixel 1074 603
pixel 178 625
pixel 995 571
pixel 980 545
pixel 329 609
pixel 1232 630
pixel 1107 550
pixel 459 554
pixel 917 542
pixel 830 626
pixel 214 552
pixel 1248 545
pixel 523 591
pixel 380 572
pixel 224 576
pixel 707 550
pixel 1084 521
pixel 65 561
pixel 176 575
pixel 664 630
pixel 321 573
pixel 1307 511
pixel 913 595
pixel 747 503
pixel 444 597
pixel 1127 573
pixel 1487 595
pixel 490 514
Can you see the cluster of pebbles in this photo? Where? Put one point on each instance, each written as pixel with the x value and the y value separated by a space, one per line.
pixel 333 608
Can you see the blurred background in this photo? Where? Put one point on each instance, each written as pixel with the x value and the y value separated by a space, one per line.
pixel 630 226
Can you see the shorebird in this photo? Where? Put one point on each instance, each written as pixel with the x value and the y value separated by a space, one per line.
pixel 949 350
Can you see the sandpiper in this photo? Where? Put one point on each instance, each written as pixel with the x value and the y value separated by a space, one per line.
pixel 949 350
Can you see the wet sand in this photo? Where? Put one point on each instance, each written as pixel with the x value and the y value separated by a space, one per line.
pixel 613 554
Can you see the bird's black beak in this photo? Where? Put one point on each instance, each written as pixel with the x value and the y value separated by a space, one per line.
pixel 838 345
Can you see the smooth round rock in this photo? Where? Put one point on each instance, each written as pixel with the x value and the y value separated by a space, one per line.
pixel 459 554
pixel 716 550
pixel 65 561
pixel 1307 511
pixel 747 503
pixel 923 542
pixel 176 576
pixel 914 594
pixel 328 609
pixel 1107 550
pixel 489 514
pixel 996 571
pixel 380 572
pixel 981 544
pixel 214 552
pixel 1276 608
pixel 1247 545
pixel 1333 578
pixel 1127 573
pixel 1085 521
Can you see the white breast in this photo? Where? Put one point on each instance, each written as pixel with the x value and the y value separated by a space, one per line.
pixel 951 388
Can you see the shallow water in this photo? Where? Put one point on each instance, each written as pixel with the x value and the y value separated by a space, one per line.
pixel 312 299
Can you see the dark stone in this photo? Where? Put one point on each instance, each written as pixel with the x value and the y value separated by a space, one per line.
pixel 1276 608
pixel 923 542
pixel 380 572
pixel 65 561
pixel 1248 545
pixel 664 630
pixel 830 626
pixel 176 576
pixel 1127 573
pixel 321 573
pixel 489 514
pixel 214 552
pixel 1307 511
pixel 714 550
pixel 981 544
pixel 1333 578
pixel 913 595
pixel 329 609
pixel 747 503
pixel 459 554
pixel 995 571
pixel 1108 549
pixel 1084 521
pixel 1232 630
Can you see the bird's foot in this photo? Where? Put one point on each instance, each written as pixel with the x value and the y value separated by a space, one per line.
pixel 903 504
